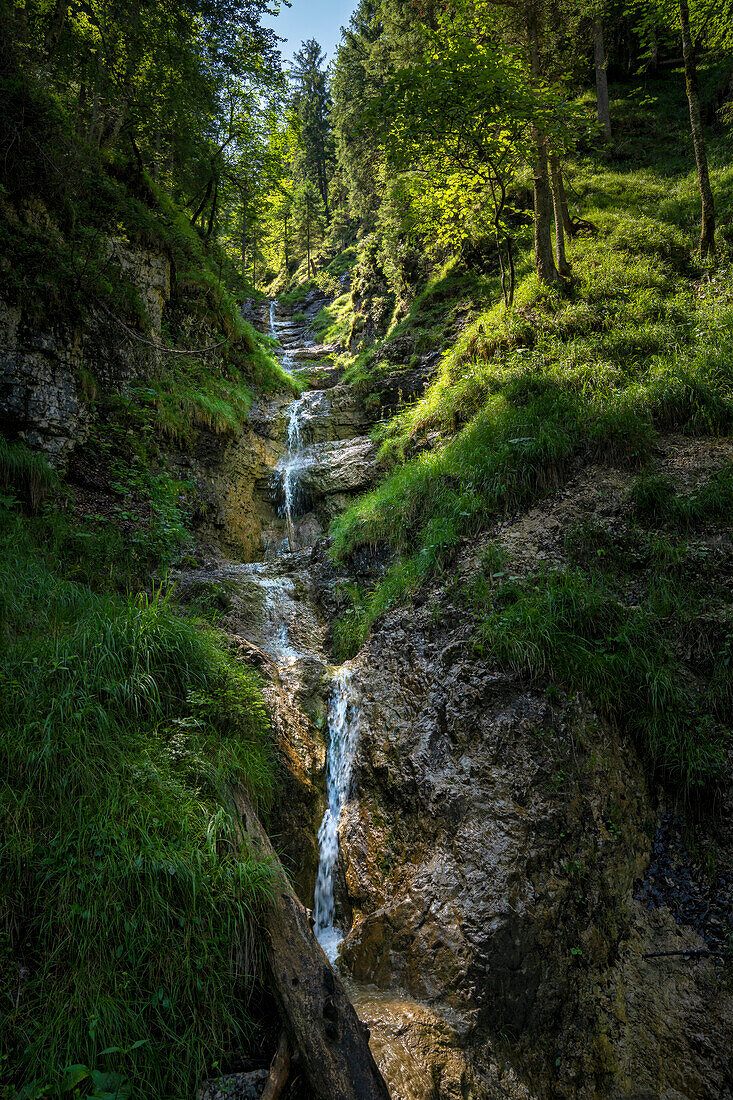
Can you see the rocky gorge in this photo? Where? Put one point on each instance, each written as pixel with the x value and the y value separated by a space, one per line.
pixel 366 552
pixel 477 848
pixel 510 897
pixel 490 865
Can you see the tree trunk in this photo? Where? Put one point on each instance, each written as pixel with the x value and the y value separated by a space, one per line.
pixel 308 233
pixel 199 211
pixel 557 193
pixel 558 183
pixel 212 211
pixel 317 1014
pixel 707 224
pixel 243 239
pixel 546 270
pixel 324 188
pixel 543 212
pixel 599 50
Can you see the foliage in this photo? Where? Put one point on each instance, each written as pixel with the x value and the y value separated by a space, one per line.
pixel 25 472
pixel 124 894
pixel 521 396
pixel 314 158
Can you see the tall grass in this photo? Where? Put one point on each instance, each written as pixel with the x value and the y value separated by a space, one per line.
pixel 505 424
pixel 25 472
pixel 125 902
pixel 575 630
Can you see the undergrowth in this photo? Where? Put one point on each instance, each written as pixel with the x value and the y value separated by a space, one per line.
pixel 127 944
pixel 574 629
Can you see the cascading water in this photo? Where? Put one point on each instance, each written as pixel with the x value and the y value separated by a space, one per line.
pixel 289 468
pixel 343 729
pixel 285 356
pixel 274 606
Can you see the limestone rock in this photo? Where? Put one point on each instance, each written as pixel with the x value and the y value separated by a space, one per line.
pixel 345 466
pixel 489 861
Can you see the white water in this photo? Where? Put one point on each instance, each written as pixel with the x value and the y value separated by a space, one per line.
pixel 343 730
pixel 289 466
pixel 285 356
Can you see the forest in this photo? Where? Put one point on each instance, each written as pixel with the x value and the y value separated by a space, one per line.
pixel 366 600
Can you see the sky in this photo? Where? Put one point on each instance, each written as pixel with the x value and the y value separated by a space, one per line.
pixel 319 19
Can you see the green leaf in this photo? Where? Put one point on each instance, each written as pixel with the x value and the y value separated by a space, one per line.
pixel 73 1075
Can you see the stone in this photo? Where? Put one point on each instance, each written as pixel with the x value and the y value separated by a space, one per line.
pixel 489 861
pixel 236 1086
pixel 345 466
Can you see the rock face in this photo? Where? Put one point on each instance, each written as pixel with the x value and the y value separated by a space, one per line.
pixel 335 413
pixel 344 466
pixel 47 369
pixel 232 476
pixel 489 860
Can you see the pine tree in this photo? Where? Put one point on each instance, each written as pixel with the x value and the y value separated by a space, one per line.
pixel 312 101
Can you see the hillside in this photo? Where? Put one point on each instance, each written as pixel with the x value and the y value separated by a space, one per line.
pixel 366 485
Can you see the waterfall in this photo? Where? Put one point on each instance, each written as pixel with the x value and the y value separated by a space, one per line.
pixel 290 465
pixel 284 356
pixel 343 715
pixel 343 728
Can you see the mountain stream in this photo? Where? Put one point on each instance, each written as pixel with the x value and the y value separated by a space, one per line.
pixel 276 609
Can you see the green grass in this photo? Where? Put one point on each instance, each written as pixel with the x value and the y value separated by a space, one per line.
pixel 332 324
pixel 639 343
pixel 655 498
pixel 26 473
pixel 520 395
pixel 297 294
pixel 573 629
pixel 125 903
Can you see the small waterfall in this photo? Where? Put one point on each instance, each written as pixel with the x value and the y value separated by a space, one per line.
pixel 290 465
pixel 285 356
pixel 343 728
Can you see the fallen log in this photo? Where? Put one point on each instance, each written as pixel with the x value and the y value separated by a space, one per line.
pixel 279 1070
pixel 318 1016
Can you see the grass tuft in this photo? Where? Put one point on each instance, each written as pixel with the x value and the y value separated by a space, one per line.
pixel 26 472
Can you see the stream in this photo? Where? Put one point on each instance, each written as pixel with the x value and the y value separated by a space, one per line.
pixel 342 721
pixel 276 609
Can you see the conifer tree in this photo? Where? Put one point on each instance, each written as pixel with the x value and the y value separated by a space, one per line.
pixel 312 101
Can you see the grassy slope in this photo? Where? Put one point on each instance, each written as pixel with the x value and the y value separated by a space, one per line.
pixel 124 903
pixel 640 344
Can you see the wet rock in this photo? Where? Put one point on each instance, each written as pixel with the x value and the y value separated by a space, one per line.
pixel 346 466
pixel 308 531
pixel 416 1049
pixel 231 509
pixel 676 880
pixel 326 415
pixel 272 621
